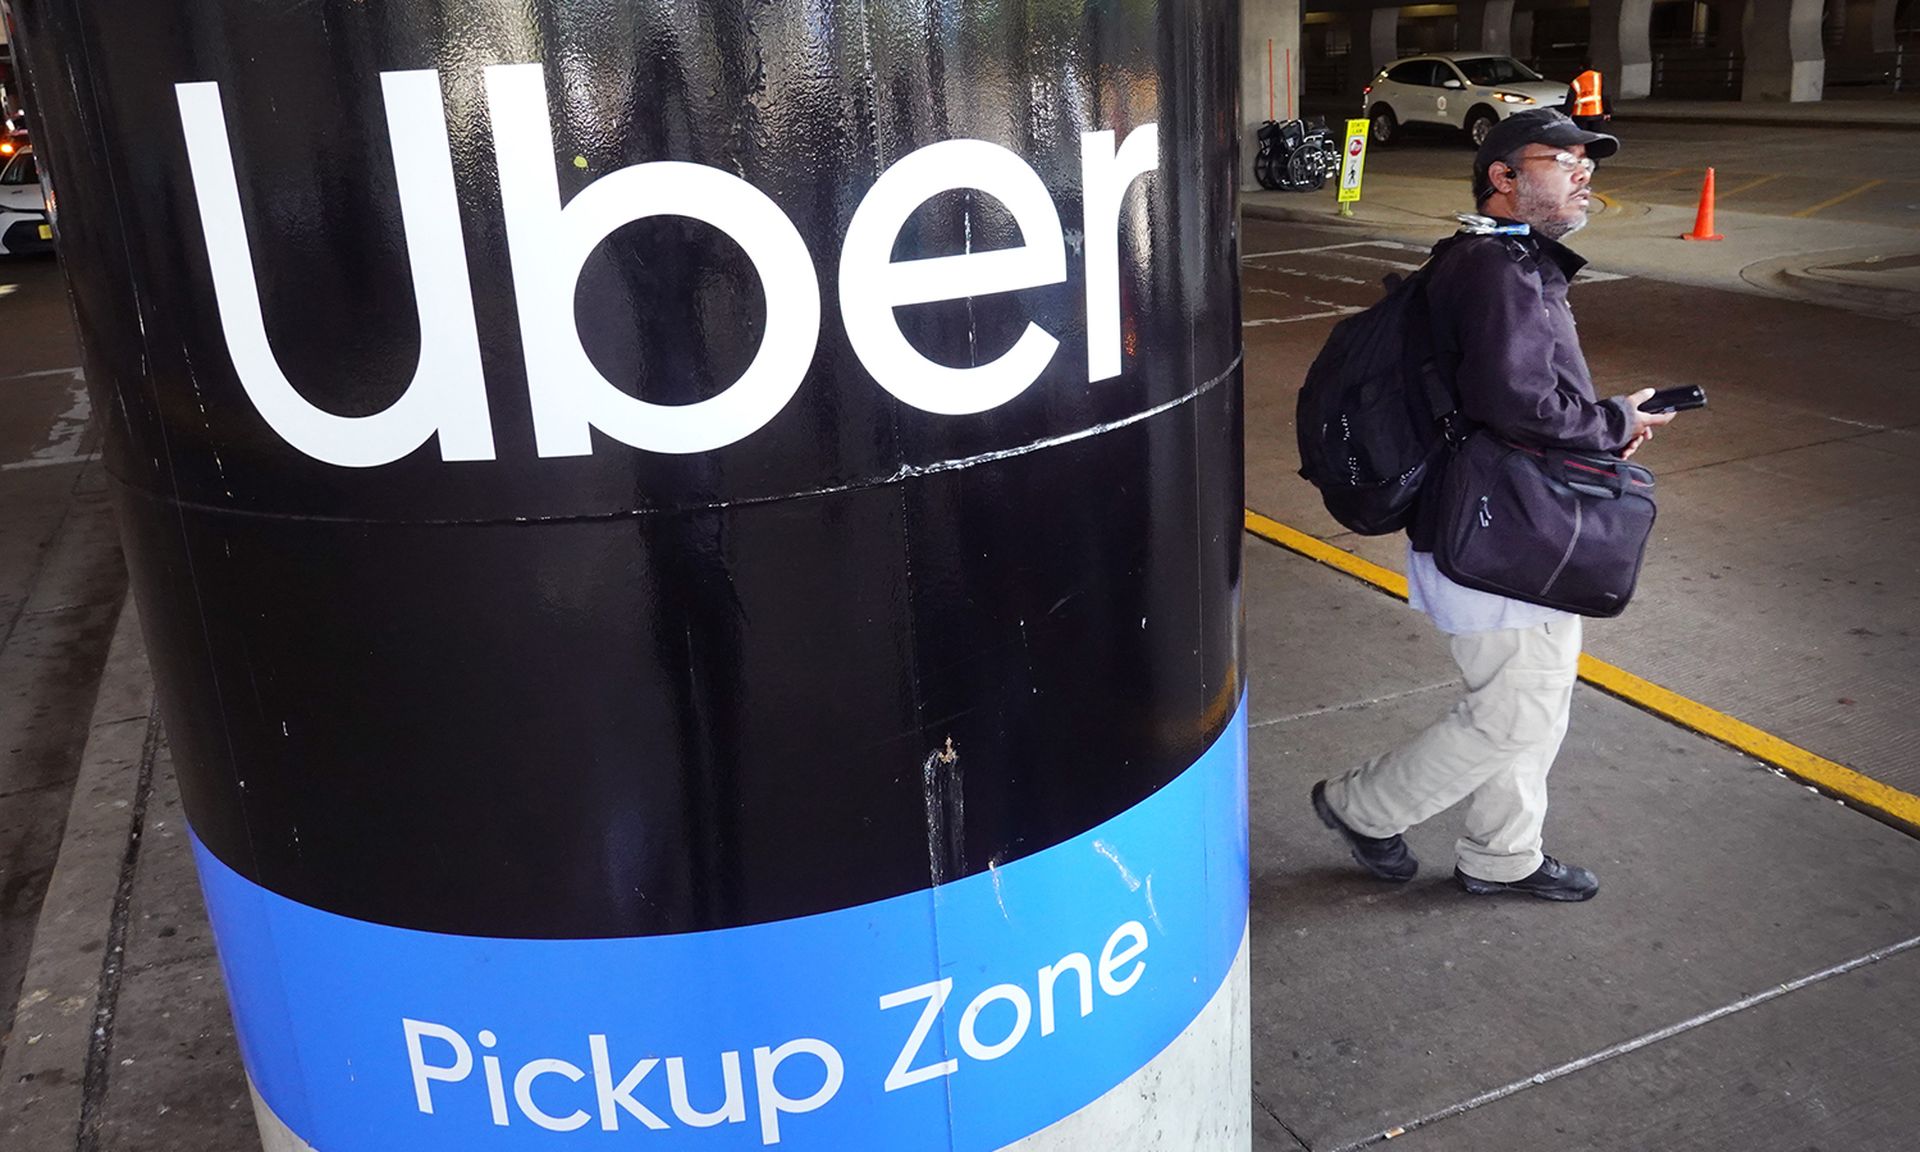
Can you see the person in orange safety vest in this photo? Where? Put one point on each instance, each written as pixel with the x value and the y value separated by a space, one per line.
pixel 1588 108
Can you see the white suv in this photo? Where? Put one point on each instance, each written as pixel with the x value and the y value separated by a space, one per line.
pixel 1468 90
pixel 24 227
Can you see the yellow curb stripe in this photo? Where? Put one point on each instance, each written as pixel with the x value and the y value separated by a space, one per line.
pixel 1293 540
pixel 1764 746
pixel 1840 199
pixel 1837 779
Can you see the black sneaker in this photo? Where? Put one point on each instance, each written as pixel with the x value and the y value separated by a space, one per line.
pixel 1388 859
pixel 1551 881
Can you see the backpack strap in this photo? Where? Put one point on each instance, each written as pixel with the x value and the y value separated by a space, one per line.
pixel 1435 378
pixel 1436 374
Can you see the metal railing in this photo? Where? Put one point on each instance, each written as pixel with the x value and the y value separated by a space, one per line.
pixel 1892 70
pixel 1686 73
pixel 1327 77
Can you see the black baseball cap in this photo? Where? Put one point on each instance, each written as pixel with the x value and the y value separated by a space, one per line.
pixel 1539 126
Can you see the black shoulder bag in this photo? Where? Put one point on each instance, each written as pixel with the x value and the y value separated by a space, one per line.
pixel 1560 528
pixel 1565 529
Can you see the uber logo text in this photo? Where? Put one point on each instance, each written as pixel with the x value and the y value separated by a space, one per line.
pixel 549 243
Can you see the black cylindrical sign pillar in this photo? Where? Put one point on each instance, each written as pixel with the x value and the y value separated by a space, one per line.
pixel 690 553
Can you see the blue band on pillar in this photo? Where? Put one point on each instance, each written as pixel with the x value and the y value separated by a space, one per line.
pixel 993 1006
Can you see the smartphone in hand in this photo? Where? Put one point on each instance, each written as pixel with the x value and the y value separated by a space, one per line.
pixel 1676 399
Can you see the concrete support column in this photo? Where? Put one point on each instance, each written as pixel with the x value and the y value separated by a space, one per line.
pixel 622 753
pixel 1785 60
pixel 1270 73
pixel 1620 46
pixel 1385 36
pixel 1376 42
pixel 1522 39
pixel 1486 25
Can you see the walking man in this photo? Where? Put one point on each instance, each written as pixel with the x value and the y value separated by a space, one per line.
pixel 1500 319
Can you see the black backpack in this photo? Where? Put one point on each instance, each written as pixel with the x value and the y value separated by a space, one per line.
pixel 1375 412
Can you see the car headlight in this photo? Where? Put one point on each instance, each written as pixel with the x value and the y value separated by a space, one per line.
pixel 1512 98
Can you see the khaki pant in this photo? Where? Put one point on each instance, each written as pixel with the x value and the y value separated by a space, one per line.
pixel 1494 746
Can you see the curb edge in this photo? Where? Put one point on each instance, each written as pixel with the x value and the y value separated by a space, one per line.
pixel 43 1071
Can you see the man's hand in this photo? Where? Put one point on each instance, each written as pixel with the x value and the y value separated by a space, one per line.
pixel 1643 422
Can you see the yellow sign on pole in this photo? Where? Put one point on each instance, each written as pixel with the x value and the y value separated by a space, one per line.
pixel 1352 162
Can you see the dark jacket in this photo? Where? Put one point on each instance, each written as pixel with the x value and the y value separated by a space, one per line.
pixel 1504 335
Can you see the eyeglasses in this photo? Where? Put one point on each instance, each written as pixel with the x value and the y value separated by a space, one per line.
pixel 1568 162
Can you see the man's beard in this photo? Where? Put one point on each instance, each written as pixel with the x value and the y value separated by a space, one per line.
pixel 1537 209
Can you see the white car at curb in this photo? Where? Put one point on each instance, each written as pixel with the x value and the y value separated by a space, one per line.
pixel 1471 91
pixel 24 225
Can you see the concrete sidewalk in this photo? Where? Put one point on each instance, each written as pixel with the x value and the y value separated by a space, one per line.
pixel 1471 1024
pixel 1525 1025
pixel 121 1039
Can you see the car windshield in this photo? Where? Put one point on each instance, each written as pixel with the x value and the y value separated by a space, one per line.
pixel 21 170
pixel 1496 70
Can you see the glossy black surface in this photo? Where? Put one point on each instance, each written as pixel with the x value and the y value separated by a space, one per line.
pixel 630 693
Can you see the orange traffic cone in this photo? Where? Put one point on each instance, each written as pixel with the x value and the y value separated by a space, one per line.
pixel 1703 221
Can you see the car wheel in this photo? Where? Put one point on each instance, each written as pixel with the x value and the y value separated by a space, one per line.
pixel 1479 123
pixel 1383 127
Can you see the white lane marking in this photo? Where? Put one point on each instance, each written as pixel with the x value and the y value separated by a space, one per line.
pixel 1392 244
pixel 1402 265
pixel 1342 311
pixel 66 432
pixel 1345 252
pixel 77 373
pixel 1636 1043
pixel 1326 277
pixel 50 462
pixel 1354 704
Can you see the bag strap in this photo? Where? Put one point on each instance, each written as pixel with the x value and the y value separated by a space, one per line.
pixel 1609 474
